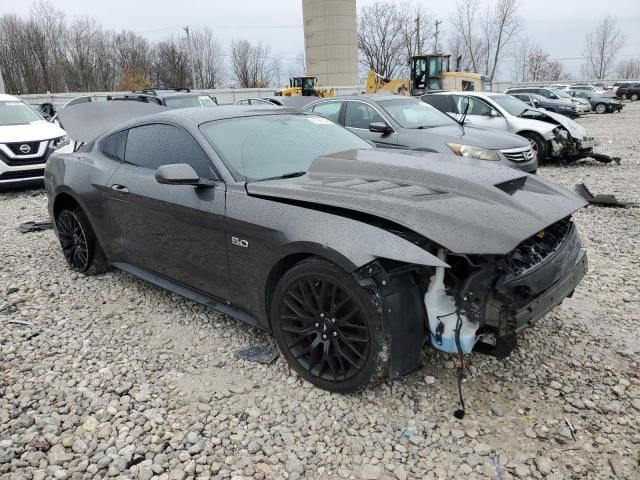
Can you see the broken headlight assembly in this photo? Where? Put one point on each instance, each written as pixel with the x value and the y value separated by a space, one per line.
pixel 58 143
pixel 473 152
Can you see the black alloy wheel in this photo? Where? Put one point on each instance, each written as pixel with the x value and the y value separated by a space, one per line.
pixel 323 322
pixel 73 239
pixel 79 244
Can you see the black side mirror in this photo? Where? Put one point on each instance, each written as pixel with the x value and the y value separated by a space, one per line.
pixel 180 174
pixel 380 127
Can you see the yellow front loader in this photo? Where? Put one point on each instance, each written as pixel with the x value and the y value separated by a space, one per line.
pixel 429 73
pixel 304 86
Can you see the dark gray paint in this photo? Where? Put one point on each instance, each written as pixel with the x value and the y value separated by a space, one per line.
pixel 185 234
pixel 470 215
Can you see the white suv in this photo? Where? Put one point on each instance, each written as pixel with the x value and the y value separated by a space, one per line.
pixel 26 141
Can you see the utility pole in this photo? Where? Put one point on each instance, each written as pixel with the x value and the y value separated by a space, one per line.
pixel 418 46
pixel 435 46
pixel 191 57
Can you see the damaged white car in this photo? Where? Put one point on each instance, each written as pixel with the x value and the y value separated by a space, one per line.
pixel 553 136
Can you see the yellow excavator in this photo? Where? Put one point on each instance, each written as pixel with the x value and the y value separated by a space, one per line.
pixel 304 86
pixel 429 73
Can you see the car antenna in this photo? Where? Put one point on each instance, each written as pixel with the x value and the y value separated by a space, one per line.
pixel 466 109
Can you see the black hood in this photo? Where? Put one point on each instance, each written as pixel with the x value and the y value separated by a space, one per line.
pixel 465 205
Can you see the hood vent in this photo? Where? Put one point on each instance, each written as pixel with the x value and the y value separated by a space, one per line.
pixel 383 187
pixel 512 186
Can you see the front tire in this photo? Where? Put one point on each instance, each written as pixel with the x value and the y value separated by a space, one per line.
pixel 600 108
pixel 79 244
pixel 538 145
pixel 327 327
pixel 634 97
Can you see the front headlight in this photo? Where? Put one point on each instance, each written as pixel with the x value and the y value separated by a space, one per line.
pixel 58 143
pixel 473 152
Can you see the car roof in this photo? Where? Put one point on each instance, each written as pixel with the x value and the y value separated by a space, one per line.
pixel 8 98
pixel 198 115
pixel 372 98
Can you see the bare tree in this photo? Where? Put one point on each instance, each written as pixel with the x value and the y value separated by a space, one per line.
pixel 297 67
pixel 465 24
pixel 601 47
pixel 380 38
pixel 521 54
pixel 44 30
pixel 485 34
pixel 628 69
pixel 208 59
pixel 251 65
pixel 171 68
pixel 388 36
pixel 541 67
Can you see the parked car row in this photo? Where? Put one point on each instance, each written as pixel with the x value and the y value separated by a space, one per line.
pixel 583 98
pixel 628 90
pixel 352 256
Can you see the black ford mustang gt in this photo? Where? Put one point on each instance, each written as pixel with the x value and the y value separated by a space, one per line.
pixel 352 259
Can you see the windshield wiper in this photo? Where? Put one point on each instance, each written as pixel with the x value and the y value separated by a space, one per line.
pixel 283 176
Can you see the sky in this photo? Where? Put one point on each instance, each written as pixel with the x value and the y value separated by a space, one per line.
pixel 558 26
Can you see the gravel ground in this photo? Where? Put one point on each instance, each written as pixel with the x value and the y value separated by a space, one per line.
pixel 113 377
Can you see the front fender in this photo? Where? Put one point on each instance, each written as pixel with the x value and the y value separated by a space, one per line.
pixel 273 230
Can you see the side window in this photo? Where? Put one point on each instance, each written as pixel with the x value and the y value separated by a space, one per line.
pixel 524 98
pixel 113 146
pixel 441 102
pixel 330 110
pixel 360 115
pixel 151 146
pixel 476 106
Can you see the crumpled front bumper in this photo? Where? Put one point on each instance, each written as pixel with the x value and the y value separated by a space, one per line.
pixel 553 296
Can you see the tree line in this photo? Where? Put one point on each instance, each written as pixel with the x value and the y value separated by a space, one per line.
pixel 46 53
pixel 484 36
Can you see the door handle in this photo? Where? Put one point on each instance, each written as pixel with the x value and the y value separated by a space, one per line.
pixel 119 188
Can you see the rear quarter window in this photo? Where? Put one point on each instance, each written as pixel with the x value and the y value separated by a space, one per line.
pixel 114 145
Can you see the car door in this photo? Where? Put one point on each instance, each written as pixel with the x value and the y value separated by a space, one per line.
pixel 480 113
pixel 358 115
pixel 176 231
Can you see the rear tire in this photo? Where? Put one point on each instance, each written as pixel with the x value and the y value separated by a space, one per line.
pixel 328 327
pixel 600 108
pixel 79 244
pixel 538 145
pixel 634 97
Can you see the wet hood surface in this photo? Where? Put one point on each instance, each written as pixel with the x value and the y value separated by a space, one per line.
pixel 465 205
pixel 471 135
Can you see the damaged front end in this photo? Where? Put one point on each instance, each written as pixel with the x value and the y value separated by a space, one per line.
pixel 480 302
pixel 506 294
pixel 571 148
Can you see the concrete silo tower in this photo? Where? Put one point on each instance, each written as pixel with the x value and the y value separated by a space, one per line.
pixel 331 41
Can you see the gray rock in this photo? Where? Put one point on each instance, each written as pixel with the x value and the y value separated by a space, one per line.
pixel 370 472
pixel 57 455
pixel 544 465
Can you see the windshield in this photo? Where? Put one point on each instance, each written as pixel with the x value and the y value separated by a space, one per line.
pixel 17 113
pixel 415 114
pixel 268 146
pixel 510 104
pixel 192 101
